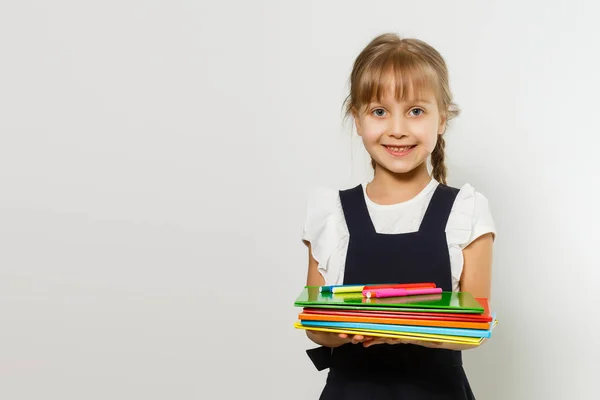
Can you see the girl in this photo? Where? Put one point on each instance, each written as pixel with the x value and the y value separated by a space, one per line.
pixel 405 225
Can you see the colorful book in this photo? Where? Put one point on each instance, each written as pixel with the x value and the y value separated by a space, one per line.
pixel 449 302
pixel 389 328
pixel 398 335
pixel 484 317
pixel 394 320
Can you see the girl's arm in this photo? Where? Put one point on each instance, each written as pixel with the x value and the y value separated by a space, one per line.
pixel 476 279
pixel 477 268
pixel 327 339
pixel 477 274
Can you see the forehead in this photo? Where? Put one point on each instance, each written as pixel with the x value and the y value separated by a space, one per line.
pixel 400 84
pixel 404 87
pixel 391 94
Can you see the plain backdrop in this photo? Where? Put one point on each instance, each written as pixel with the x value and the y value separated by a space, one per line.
pixel 155 158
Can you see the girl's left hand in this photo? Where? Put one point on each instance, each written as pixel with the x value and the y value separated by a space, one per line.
pixel 424 343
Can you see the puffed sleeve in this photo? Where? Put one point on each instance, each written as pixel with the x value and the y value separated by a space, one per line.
pixel 469 219
pixel 322 228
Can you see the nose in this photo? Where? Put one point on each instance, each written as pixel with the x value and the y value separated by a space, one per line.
pixel 397 126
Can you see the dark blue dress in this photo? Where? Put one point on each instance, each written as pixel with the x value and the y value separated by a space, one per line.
pixel 400 371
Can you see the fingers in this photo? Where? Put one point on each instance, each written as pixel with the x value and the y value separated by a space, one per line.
pixel 357 339
pixel 393 341
pixel 354 339
pixel 386 341
pixel 374 342
pixel 370 340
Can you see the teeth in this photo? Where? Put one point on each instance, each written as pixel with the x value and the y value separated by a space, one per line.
pixel 398 149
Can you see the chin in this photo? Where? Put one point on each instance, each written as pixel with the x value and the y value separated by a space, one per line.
pixel 400 167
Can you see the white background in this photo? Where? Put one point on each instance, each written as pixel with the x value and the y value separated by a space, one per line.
pixel 155 158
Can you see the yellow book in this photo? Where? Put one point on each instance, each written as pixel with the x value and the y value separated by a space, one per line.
pixel 398 335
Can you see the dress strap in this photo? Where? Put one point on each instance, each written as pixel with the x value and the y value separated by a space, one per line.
pixel 438 211
pixel 356 212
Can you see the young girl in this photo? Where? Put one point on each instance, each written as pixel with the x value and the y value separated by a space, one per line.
pixel 403 226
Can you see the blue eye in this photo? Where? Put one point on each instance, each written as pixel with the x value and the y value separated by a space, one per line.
pixel 417 109
pixel 379 112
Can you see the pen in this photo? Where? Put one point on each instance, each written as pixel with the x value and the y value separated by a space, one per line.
pixel 348 289
pixel 380 293
pixel 329 288
pixel 358 288
pixel 400 286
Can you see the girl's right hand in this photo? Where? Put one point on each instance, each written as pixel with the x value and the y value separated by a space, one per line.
pixel 354 339
pixel 329 339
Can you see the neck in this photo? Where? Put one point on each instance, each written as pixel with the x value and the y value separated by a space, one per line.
pixel 388 187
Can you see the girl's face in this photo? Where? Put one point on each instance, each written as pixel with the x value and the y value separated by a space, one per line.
pixel 400 134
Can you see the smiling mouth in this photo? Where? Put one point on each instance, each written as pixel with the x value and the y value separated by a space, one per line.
pixel 399 150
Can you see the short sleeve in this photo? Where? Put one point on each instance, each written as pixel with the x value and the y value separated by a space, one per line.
pixel 469 219
pixel 322 228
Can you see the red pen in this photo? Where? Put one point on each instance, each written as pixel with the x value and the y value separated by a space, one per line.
pixel 380 293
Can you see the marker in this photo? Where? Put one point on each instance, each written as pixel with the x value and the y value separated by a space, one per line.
pixel 352 288
pixel 328 288
pixel 348 289
pixel 335 288
pixel 401 286
pixel 381 293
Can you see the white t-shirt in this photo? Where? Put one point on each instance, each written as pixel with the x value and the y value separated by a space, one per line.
pixel 325 226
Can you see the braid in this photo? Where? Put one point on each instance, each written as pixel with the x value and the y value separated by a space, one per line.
pixel 437 161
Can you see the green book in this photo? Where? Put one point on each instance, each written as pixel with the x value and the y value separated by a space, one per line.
pixel 447 302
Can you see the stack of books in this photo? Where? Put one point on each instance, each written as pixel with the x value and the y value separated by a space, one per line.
pixel 415 311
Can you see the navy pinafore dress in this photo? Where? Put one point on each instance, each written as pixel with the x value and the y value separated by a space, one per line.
pixel 400 371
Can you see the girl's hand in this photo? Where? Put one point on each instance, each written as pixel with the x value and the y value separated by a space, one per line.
pixel 355 339
pixel 381 340
pixel 424 343
pixel 329 339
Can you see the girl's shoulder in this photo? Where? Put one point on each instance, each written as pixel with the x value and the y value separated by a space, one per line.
pixel 323 205
pixel 322 208
pixel 324 228
pixel 325 225
pixel 471 216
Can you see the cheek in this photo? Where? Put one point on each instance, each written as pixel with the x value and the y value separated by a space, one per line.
pixel 430 142
pixel 370 137
pixel 428 137
pixel 372 133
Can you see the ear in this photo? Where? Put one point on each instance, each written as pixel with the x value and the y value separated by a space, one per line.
pixel 357 123
pixel 442 125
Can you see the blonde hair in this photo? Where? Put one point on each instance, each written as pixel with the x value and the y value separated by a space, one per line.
pixel 414 66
